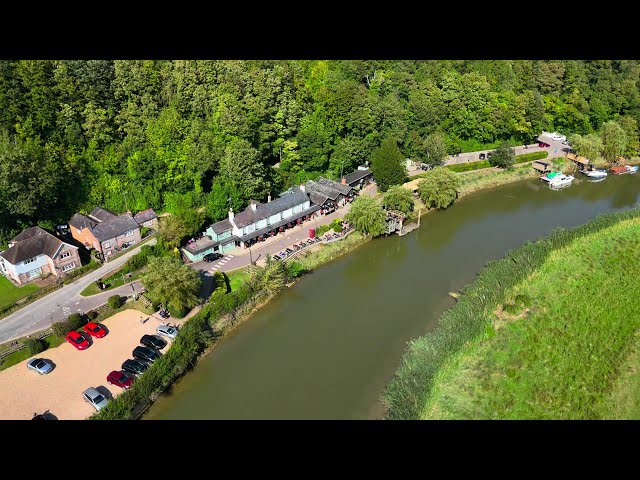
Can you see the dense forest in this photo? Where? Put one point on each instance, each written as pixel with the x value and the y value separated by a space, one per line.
pixel 180 135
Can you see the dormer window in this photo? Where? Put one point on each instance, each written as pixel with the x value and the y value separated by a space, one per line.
pixel 30 260
pixel 65 254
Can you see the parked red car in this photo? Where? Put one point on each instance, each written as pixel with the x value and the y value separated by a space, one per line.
pixel 95 330
pixel 120 379
pixel 77 340
pixel 543 145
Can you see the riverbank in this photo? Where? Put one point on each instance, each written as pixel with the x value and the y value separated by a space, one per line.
pixel 536 335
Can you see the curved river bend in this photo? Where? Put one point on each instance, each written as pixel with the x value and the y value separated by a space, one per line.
pixel 326 348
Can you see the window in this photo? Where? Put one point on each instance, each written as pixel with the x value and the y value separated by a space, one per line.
pixel 30 260
pixel 129 233
pixel 106 244
pixel 65 254
pixel 35 273
pixel 68 266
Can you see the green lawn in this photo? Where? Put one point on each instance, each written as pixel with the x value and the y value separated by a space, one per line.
pixel 9 293
pixel 51 341
pixel 113 281
pixel 237 278
pixel 568 348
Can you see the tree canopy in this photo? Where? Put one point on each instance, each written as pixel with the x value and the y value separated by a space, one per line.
pixel 504 156
pixel 399 198
pixel 367 216
pixel 439 189
pixel 387 165
pixel 171 282
pixel 163 133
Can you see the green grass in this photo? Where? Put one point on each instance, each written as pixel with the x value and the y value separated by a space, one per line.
pixel 9 293
pixel 330 251
pixel 51 341
pixel 528 157
pixel 566 350
pixel 237 278
pixel 113 281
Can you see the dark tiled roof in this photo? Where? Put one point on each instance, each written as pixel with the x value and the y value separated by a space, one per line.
pixel 357 175
pixel 114 227
pixel 320 191
pixel 265 210
pixel 205 243
pixel 343 189
pixel 145 215
pixel 102 214
pixel 79 221
pixel 32 242
pixel 292 218
pixel 318 198
pixel 222 226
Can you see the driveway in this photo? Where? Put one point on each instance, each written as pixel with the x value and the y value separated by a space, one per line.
pixel 24 392
pixel 61 303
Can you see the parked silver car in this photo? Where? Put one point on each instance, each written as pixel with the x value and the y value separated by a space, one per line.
pixel 167 331
pixel 40 365
pixel 95 398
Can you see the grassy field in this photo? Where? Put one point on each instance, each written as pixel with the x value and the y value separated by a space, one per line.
pixel 328 252
pixel 560 342
pixel 9 293
pixel 237 278
pixel 113 281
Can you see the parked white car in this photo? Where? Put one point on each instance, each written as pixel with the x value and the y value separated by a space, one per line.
pixel 40 365
pixel 167 331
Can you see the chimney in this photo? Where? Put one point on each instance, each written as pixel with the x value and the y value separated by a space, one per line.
pixel 303 188
pixel 344 180
pixel 253 205
pixel 231 215
pixel 269 198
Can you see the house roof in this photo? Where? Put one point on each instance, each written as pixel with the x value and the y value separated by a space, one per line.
pixel 541 166
pixel 80 221
pixel 32 242
pixel 322 190
pixel 222 226
pixel 265 210
pixel 279 224
pixel 577 158
pixel 145 215
pixel 102 214
pixel 114 227
pixel 343 189
pixel 353 177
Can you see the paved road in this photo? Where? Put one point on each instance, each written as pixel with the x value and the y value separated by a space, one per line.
pixel 556 149
pixel 61 303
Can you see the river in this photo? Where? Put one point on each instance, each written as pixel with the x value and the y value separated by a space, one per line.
pixel 327 347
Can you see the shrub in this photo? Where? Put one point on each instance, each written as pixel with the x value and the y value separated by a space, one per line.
pixel 467 167
pixel 296 269
pixel 510 308
pixel 178 313
pixel 61 328
pixel 73 274
pixel 114 301
pixel 219 286
pixel 503 156
pixel 34 346
pixel 322 229
pixel 75 321
pixel 92 315
pixel 439 189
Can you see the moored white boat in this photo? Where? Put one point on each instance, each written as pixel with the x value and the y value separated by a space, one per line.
pixel 550 176
pixel 631 169
pixel 560 181
pixel 595 173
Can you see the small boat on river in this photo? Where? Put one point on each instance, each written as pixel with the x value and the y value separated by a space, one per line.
pixel 550 176
pixel 595 173
pixel 631 169
pixel 560 181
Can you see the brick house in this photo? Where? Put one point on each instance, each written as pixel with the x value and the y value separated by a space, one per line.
pixel 35 253
pixel 147 218
pixel 105 231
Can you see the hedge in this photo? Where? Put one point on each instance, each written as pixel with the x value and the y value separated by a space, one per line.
pixel 409 391
pixel 528 157
pixel 114 301
pixel 467 167
pixel 34 346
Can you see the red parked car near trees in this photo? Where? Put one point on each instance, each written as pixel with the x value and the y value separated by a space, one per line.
pixel 95 330
pixel 120 379
pixel 77 340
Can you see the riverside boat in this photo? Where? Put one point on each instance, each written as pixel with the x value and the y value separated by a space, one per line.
pixel 631 169
pixel 560 181
pixel 595 173
pixel 550 176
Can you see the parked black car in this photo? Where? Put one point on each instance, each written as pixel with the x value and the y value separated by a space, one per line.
pixel 145 353
pixel 481 156
pixel 152 341
pixel 212 257
pixel 137 367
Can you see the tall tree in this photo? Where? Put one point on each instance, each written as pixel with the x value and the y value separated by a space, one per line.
pixel 589 146
pixel 399 198
pixel 439 189
pixel 367 216
pixel 171 282
pixel 435 149
pixel 241 167
pixel 614 140
pixel 504 156
pixel 387 165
